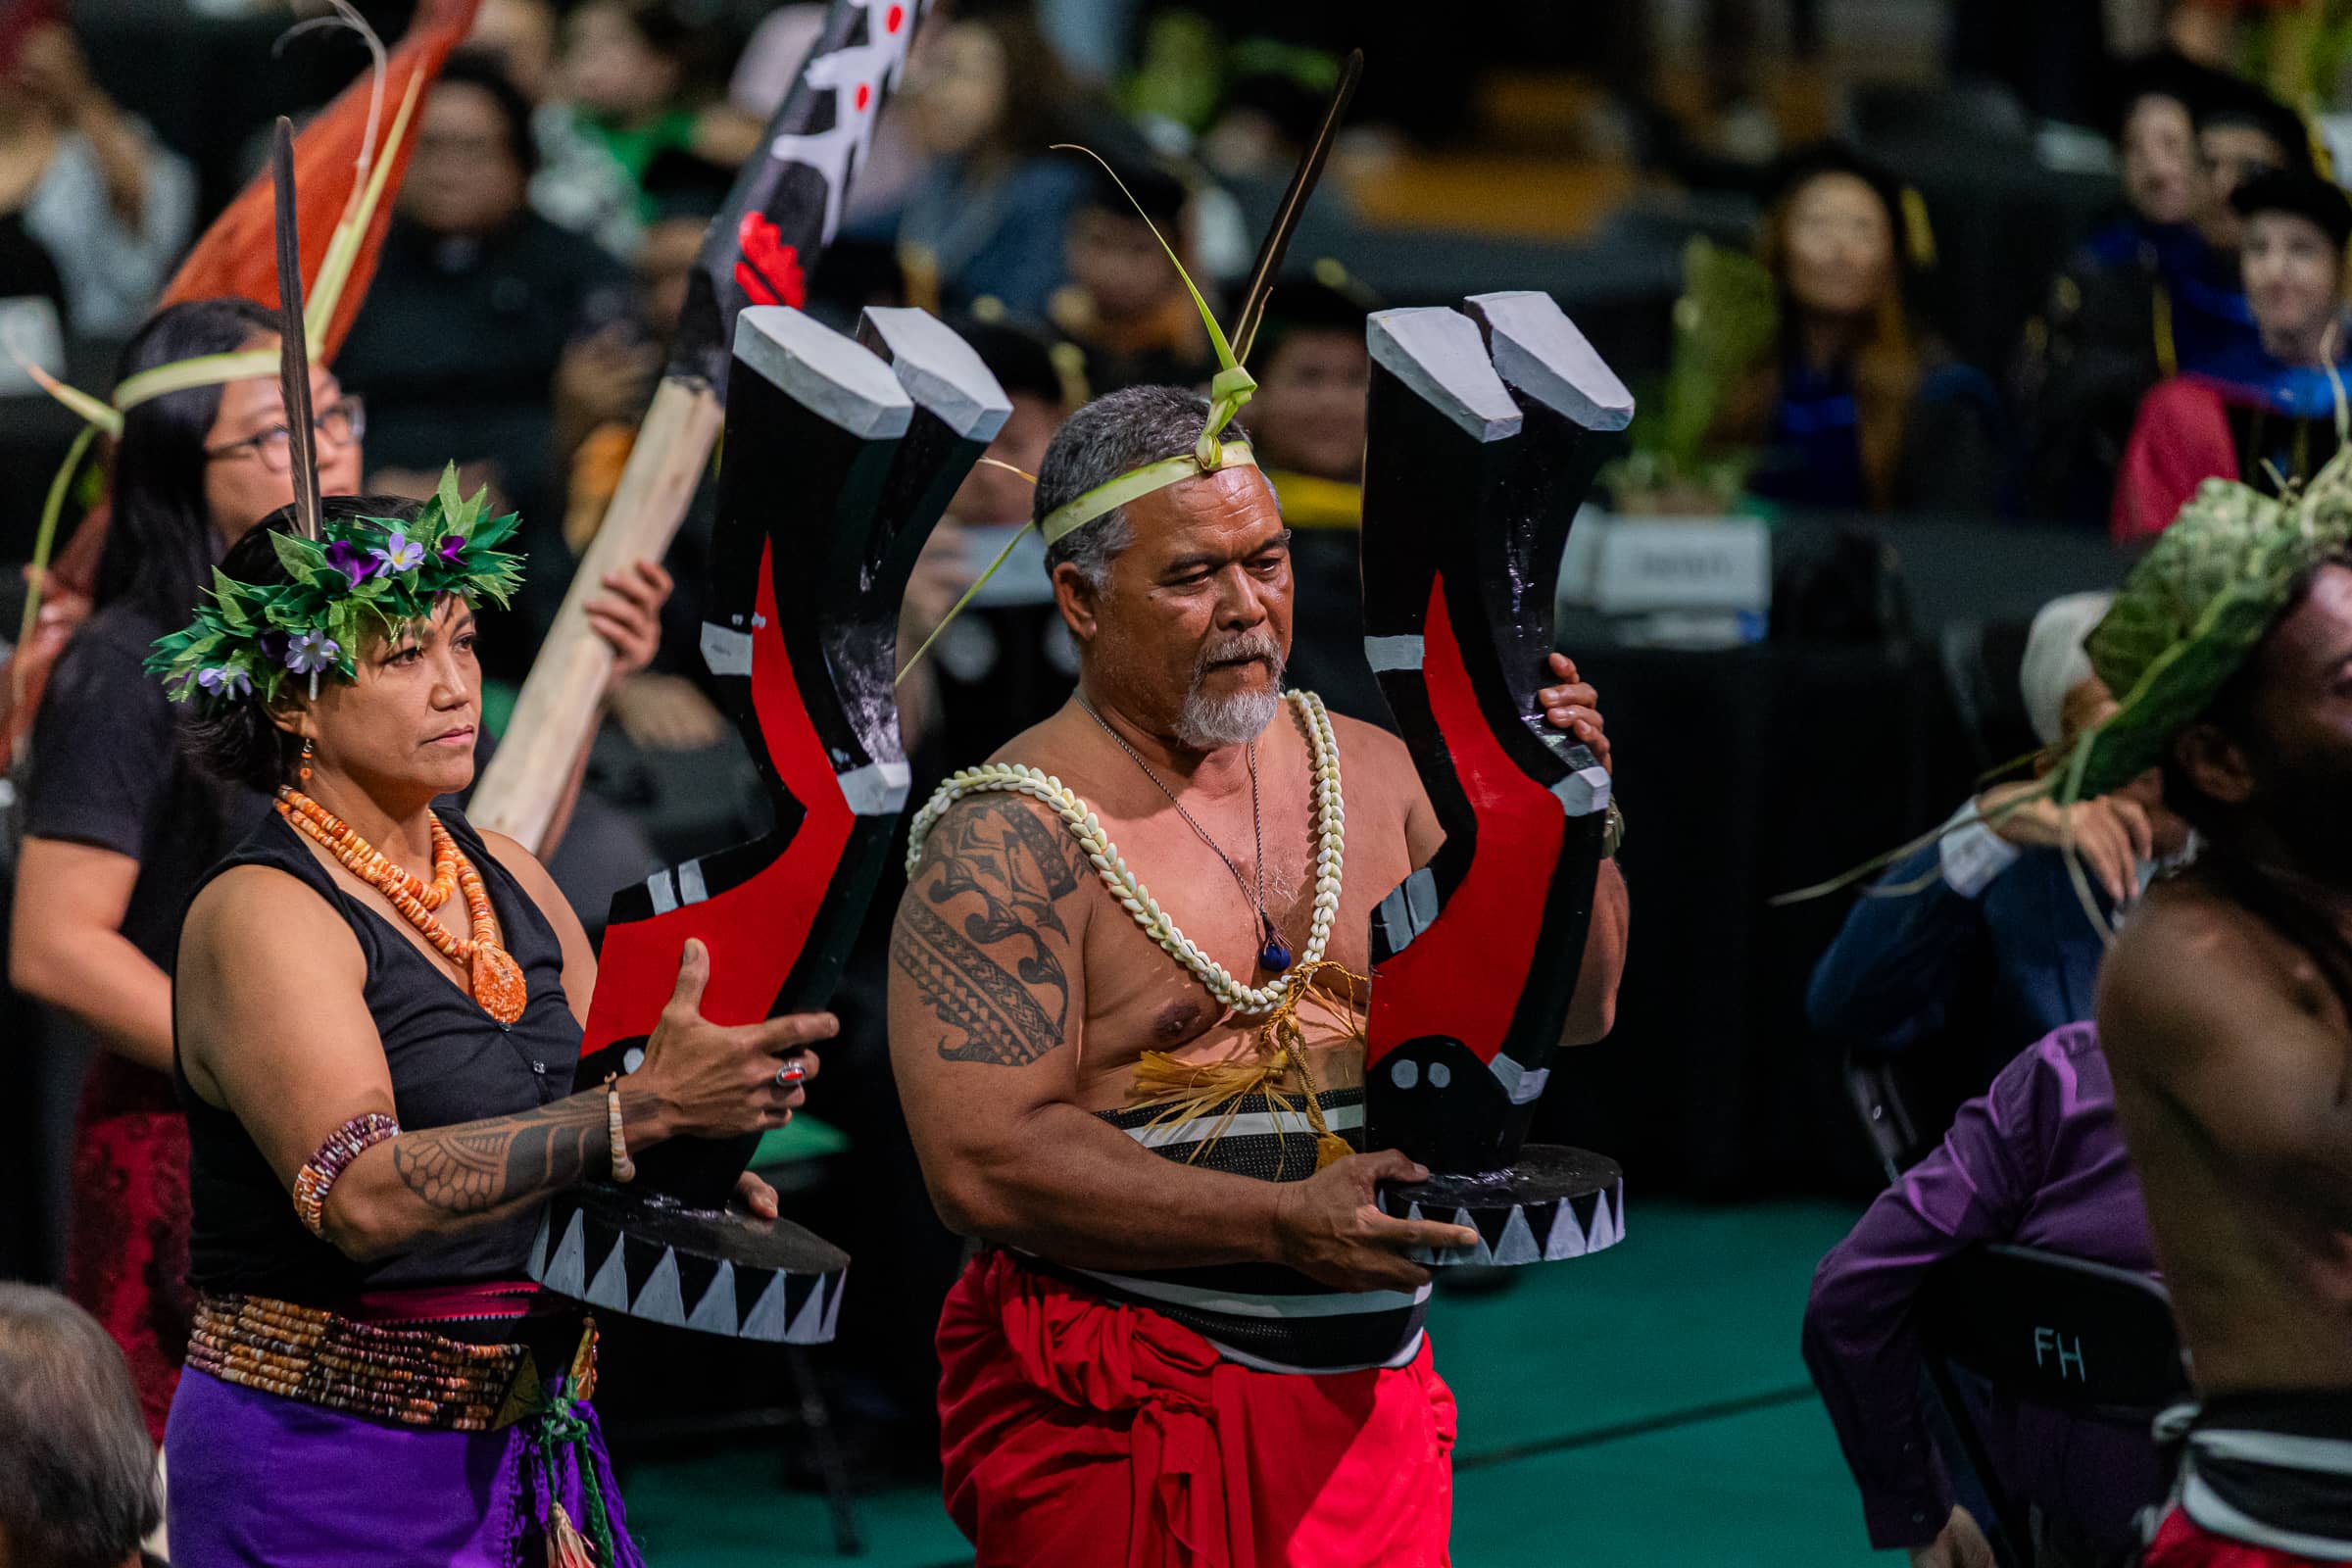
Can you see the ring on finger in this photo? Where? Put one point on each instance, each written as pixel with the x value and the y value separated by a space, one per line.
pixel 792 1072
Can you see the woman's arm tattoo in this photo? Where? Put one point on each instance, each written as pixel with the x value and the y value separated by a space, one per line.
pixel 478 1166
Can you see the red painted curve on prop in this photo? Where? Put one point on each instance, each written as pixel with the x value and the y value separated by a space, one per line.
pixel 755 930
pixel 1446 982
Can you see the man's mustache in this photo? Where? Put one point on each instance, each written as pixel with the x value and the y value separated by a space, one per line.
pixel 1235 650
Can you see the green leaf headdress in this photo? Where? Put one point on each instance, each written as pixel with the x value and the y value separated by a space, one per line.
pixel 362 576
pixel 1228 391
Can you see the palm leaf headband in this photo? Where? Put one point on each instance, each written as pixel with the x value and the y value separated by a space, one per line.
pixel 1228 391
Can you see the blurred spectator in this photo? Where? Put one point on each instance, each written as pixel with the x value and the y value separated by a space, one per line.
pixel 601 391
pixel 1306 420
pixel 119 828
pixel 2037 1161
pixel 2269 413
pixel 629 86
pixel 986 99
pixel 2105 333
pixel 476 300
pixel 1124 304
pixel 1984 926
pixel 1307 427
pixel 1859 408
pixel 521 34
pixel 78 1476
pixel 110 210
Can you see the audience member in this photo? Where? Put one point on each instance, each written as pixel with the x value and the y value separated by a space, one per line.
pixel 520 35
pixel 77 1475
pixel 2242 132
pixel 1985 925
pixel 627 88
pixel 108 208
pixel 476 300
pixel 2269 414
pixel 1124 304
pixel 1857 408
pixel 985 100
pixel 120 826
pixel 2037 1161
pixel 2104 335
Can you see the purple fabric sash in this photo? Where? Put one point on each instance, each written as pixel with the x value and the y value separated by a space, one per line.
pixel 259 1479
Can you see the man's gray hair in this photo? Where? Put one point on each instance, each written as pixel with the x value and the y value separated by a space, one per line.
pixel 1116 433
pixel 76 1472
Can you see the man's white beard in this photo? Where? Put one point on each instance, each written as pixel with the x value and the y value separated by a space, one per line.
pixel 1213 723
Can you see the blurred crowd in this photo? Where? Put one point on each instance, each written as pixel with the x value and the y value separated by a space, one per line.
pixel 1831 331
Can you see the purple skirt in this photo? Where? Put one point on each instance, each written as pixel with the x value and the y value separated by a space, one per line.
pixel 259 1480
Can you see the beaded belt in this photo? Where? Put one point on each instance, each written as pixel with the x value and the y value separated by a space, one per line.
pixel 410 1376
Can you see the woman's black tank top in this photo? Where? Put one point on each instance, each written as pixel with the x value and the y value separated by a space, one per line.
pixel 450 1061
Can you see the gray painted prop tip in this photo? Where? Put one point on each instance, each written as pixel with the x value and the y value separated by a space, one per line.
pixel 938 369
pixel 1439 354
pixel 1536 349
pixel 833 377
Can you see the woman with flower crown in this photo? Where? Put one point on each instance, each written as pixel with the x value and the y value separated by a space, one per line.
pixel 119 826
pixel 377 1064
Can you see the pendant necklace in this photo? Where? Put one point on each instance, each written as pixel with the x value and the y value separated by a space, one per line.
pixel 1275 955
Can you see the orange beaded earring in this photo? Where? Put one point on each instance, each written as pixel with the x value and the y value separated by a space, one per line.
pixel 306 757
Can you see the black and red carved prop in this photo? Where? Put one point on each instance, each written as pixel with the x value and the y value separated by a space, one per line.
pixel 783 211
pixel 1485 428
pixel 841 456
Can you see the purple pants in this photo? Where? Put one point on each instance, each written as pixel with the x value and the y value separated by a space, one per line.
pixel 270 1482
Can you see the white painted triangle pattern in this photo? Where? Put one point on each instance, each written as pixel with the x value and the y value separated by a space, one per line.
pixel 766 1320
pixel 841 1288
pixel 570 1262
pixel 661 1300
pixel 715 1311
pixel 1518 1242
pixel 809 1327
pixel 1605 1229
pixel 1479 1255
pixel 1567 1238
pixel 610 1287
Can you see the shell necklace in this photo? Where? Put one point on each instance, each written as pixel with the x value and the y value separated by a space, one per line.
pixel 496 979
pixel 1331 836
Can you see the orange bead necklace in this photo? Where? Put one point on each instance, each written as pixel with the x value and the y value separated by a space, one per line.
pixel 498 983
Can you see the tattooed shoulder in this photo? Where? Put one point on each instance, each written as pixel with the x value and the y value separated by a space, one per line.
pixel 972 933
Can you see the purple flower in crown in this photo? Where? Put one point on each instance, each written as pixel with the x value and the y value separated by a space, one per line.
pixel 273 644
pixel 453 545
pixel 401 553
pixel 224 681
pixel 352 561
pixel 311 653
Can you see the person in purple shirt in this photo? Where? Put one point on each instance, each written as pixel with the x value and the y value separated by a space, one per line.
pixel 2037 1161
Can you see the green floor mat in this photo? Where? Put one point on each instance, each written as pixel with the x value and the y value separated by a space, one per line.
pixel 1644 1406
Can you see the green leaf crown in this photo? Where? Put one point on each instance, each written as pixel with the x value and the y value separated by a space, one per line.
pixel 361 578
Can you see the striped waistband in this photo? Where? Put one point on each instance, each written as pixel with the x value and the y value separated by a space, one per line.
pixel 1262 1315
pixel 2269 1470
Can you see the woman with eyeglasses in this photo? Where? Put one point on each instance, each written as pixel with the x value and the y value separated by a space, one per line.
pixel 120 827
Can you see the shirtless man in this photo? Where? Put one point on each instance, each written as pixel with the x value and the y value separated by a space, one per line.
pixel 1185 1332
pixel 2223 1008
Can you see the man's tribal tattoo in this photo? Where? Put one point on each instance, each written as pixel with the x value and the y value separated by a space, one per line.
pixel 995 983
pixel 479 1165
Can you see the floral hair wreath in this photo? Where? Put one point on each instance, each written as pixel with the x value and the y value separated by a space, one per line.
pixel 360 574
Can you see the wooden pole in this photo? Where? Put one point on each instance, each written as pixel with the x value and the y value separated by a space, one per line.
pixel 563 697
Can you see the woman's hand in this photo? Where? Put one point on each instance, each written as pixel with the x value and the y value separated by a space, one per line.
pixel 1575 707
pixel 2111 833
pixel 628 615
pixel 718 1081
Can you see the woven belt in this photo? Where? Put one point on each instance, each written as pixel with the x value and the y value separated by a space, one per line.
pixel 410 1376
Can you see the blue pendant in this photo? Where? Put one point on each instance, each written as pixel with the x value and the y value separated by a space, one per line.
pixel 1276 954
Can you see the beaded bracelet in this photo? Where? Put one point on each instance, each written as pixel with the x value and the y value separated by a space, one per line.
pixel 318 1175
pixel 625 1169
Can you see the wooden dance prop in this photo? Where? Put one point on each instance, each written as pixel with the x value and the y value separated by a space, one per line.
pixel 1485 428
pixel 758 251
pixel 841 456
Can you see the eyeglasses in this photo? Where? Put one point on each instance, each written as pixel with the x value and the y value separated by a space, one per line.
pixel 343 421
